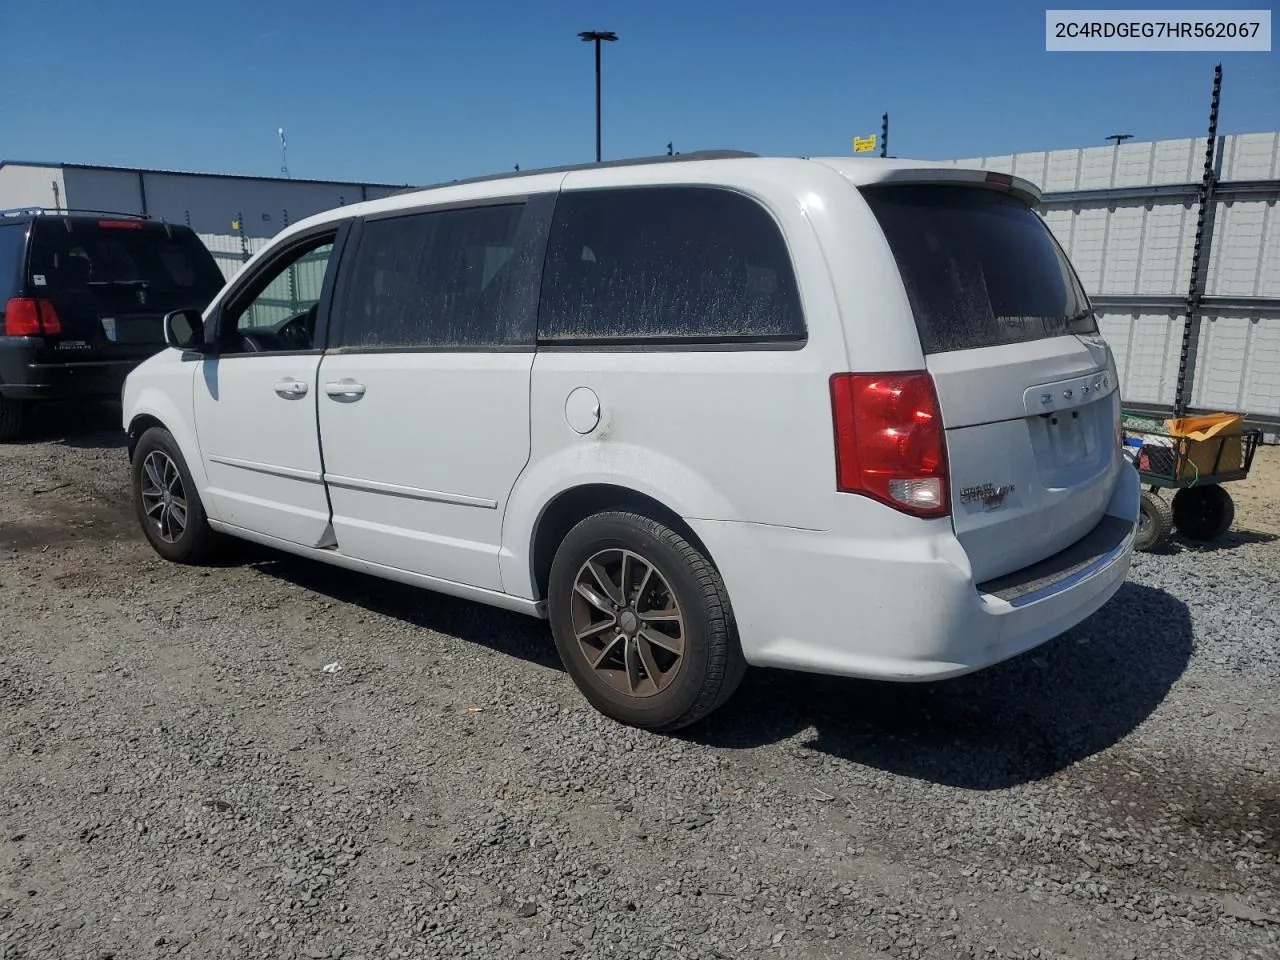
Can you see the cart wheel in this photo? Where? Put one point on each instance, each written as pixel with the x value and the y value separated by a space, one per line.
pixel 1203 513
pixel 1155 522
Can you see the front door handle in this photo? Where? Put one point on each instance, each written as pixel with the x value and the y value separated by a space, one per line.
pixel 345 387
pixel 291 389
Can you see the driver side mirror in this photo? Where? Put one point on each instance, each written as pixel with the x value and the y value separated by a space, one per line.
pixel 184 329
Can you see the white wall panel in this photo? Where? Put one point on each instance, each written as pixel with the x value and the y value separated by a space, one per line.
pixel 1238 364
pixel 1252 156
pixel 1086 237
pixel 1167 244
pixel 1147 348
pixel 1123 250
pixel 1237 264
pixel 25 186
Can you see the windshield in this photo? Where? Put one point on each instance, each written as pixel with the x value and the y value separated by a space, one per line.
pixel 85 254
pixel 979 266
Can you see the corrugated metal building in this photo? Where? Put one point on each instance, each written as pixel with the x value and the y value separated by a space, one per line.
pixel 1126 216
pixel 208 202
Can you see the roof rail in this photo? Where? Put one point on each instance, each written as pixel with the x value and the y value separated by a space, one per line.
pixel 69 211
pixel 629 162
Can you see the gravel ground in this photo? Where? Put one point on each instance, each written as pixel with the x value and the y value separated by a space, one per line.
pixel 179 778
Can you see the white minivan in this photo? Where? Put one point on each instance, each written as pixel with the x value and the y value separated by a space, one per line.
pixel 850 416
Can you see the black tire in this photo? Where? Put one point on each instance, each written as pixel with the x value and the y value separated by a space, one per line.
pixel 1203 513
pixel 1155 522
pixel 693 684
pixel 195 543
pixel 11 417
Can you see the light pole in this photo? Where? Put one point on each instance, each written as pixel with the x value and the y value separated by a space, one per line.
pixel 1119 138
pixel 596 36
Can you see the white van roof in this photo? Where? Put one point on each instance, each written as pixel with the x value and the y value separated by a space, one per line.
pixel 859 171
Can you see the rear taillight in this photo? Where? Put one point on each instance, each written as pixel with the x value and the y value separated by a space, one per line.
pixel 889 440
pixel 120 224
pixel 29 317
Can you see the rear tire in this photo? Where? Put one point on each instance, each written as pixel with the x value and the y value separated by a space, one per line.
pixel 168 506
pixel 1155 522
pixel 642 622
pixel 1203 513
pixel 11 417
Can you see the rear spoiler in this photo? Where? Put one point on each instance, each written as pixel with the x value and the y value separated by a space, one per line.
pixel 870 173
pixel 1024 189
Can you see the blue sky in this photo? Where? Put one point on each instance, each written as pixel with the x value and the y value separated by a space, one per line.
pixel 418 91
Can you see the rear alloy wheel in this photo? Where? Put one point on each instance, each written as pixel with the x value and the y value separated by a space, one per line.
pixel 642 622
pixel 1203 513
pixel 168 506
pixel 11 412
pixel 628 623
pixel 1155 522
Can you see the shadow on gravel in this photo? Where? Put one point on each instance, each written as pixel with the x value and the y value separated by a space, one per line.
pixel 85 426
pixel 1016 722
pixel 1229 541
pixel 499 630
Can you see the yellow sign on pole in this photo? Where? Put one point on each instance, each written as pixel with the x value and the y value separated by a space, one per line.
pixel 864 144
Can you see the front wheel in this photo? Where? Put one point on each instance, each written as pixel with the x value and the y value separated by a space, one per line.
pixel 168 506
pixel 1203 513
pixel 642 622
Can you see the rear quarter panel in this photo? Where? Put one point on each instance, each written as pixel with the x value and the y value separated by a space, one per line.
pixel 714 434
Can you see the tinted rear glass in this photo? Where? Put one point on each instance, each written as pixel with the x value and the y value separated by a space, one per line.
pixel 980 267
pixel 646 264
pixel 89 255
pixel 13 238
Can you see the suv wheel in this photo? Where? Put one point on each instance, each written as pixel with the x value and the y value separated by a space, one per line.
pixel 642 622
pixel 10 419
pixel 168 506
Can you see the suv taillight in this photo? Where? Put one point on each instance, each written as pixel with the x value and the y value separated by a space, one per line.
pixel 29 317
pixel 889 440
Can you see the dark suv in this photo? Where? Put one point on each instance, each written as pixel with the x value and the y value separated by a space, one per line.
pixel 82 300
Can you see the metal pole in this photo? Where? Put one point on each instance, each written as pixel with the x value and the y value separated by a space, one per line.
pixel 1199 257
pixel 597 37
pixel 884 135
pixel 597 99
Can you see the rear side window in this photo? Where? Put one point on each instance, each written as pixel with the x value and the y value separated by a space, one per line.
pixel 75 255
pixel 12 245
pixel 655 264
pixel 979 266
pixel 450 278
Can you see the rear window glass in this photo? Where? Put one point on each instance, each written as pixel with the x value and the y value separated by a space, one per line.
pixel 12 243
pixel 89 255
pixel 980 267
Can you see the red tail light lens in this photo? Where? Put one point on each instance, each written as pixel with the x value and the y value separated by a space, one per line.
pixel 120 224
pixel 28 317
pixel 889 440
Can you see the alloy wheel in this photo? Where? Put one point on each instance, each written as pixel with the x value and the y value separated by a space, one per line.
pixel 164 499
pixel 627 622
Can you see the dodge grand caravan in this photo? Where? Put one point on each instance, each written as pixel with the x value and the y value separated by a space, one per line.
pixel 850 416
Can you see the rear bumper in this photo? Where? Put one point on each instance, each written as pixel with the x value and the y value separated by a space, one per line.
pixel 27 374
pixel 906 608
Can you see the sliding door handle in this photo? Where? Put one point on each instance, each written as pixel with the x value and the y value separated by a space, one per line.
pixel 345 388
